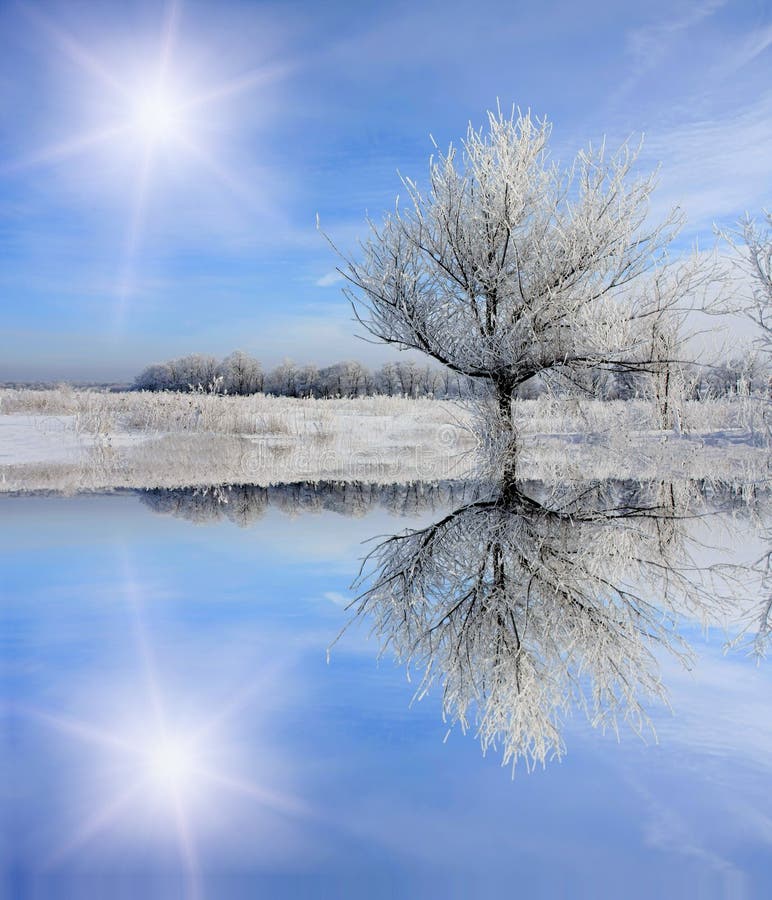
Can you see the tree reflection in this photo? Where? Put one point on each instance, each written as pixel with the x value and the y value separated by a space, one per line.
pixel 527 601
pixel 526 606
pixel 244 504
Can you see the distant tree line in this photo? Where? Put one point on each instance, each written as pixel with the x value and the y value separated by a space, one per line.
pixel 734 375
pixel 242 374
pixel 239 373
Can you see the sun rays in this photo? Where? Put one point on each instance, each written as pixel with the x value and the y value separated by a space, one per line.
pixel 148 112
pixel 171 766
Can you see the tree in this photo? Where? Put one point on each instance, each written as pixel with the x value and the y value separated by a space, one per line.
pixel 193 372
pixel 242 373
pixel 386 379
pixel 510 266
pixel 188 373
pixel 345 379
pixel 308 381
pixel 753 244
pixel 284 379
pixel 154 378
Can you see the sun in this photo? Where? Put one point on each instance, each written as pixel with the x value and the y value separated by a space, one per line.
pixel 171 763
pixel 156 116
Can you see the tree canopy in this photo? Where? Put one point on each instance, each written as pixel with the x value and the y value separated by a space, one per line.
pixel 509 265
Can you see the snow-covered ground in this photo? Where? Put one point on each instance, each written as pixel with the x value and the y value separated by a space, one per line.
pixel 84 440
pixel 69 441
pixel 27 439
pixel 38 439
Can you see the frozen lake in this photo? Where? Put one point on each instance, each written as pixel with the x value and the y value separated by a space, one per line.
pixel 172 727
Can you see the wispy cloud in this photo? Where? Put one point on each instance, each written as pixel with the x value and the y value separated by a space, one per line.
pixel 330 279
pixel 748 49
pixel 720 734
pixel 715 168
pixel 648 45
pixel 650 42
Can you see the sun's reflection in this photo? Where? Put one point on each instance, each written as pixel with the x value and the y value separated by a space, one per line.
pixel 152 763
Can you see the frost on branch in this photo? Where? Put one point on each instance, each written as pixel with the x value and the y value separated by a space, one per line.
pixel 508 265
pixel 752 244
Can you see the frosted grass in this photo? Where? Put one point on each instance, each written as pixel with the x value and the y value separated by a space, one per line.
pixel 76 440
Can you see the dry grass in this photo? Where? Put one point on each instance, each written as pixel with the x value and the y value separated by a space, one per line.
pixel 189 439
pixel 146 439
pixel 144 411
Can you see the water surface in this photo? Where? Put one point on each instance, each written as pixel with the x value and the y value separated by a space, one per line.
pixel 172 727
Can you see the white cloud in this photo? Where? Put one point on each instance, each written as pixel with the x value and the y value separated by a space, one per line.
pixel 330 279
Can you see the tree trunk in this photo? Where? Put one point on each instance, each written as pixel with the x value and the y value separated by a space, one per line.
pixel 504 392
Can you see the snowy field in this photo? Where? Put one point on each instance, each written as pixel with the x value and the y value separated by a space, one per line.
pixel 85 440
pixel 69 440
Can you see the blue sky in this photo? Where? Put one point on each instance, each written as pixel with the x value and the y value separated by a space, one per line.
pixel 117 251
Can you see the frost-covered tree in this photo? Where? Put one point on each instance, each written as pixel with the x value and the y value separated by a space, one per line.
pixel 242 373
pixel 508 265
pixel 752 244
pixel 748 373
pixel 345 379
pixel 194 372
pixel 283 380
pixel 188 373
pixel 308 381
pixel 387 380
pixel 157 377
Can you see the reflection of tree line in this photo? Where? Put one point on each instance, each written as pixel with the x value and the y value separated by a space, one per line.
pixel 525 601
pixel 243 504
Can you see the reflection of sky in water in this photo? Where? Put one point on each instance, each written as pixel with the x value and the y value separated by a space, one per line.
pixel 170 712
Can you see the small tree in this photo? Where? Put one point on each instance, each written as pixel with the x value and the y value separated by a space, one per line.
pixel 510 266
pixel 193 372
pixel 753 244
pixel 284 379
pixel 308 381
